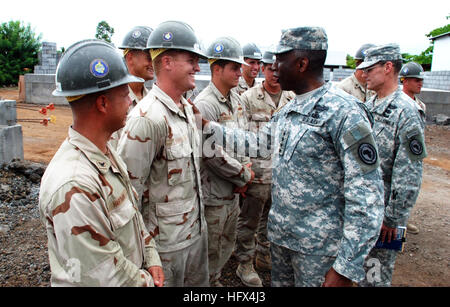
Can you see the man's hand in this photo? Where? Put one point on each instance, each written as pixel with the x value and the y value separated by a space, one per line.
pixel 387 232
pixel 334 279
pixel 242 190
pixel 157 274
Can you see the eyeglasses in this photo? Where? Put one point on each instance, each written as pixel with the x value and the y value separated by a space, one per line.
pixel 369 69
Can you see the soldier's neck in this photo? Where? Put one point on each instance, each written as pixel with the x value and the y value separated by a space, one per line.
pixel 249 81
pixel 138 89
pixel 271 89
pixel 223 88
pixel 387 89
pixel 409 93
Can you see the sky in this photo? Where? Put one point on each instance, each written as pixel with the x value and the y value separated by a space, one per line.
pixel 348 24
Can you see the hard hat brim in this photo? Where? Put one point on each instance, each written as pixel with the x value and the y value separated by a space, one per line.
pixel 125 80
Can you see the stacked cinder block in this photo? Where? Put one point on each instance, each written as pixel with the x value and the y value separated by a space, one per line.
pixel 11 137
pixel 437 80
pixel 48 59
pixel 340 74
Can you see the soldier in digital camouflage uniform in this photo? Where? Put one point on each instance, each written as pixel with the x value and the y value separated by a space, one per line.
pixel 355 84
pixel 327 205
pixel 96 234
pixel 222 170
pixel 161 147
pixel 261 102
pixel 139 63
pixel 400 137
pixel 252 58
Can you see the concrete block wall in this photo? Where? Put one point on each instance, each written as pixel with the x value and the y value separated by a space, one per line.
pixel 437 80
pixel 11 136
pixel 340 74
pixel 39 88
pixel 48 59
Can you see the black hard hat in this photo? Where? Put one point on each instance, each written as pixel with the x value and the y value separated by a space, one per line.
pixel 136 38
pixel 411 70
pixel 251 51
pixel 361 53
pixel 268 57
pixel 91 66
pixel 226 48
pixel 175 35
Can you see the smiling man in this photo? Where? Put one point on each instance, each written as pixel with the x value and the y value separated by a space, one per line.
pixel 161 145
pixel 250 70
pixel 223 172
pixel 139 62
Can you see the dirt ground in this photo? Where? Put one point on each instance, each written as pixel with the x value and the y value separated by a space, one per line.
pixel 425 261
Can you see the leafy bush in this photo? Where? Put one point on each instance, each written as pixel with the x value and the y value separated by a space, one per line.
pixel 19 48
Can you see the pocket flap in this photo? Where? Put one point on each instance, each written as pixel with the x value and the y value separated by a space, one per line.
pixel 175 207
pixel 178 151
pixel 121 215
pixel 354 135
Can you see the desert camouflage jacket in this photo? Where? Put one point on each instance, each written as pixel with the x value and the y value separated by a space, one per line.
pixel 422 108
pixel 352 86
pixel 222 170
pixel 326 184
pixel 96 235
pixel 259 109
pixel 242 86
pixel 161 146
pixel 400 138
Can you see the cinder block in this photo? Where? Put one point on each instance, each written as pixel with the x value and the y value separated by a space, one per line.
pixel 8 114
pixel 11 143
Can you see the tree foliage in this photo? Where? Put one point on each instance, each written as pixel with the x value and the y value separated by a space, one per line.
pixel 104 31
pixel 19 48
pixel 426 56
pixel 351 62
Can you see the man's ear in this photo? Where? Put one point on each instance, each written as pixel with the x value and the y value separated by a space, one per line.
pixel 388 67
pixel 303 64
pixel 166 61
pixel 101 103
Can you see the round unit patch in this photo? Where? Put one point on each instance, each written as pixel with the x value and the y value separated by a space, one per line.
pixel 136 34
pixel 99 68
pixel 416 147
pixel 168 36
pixel 218 48
pixel 367 153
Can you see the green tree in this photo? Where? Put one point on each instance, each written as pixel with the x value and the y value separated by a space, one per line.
pixel 351 62
pixel 19 48
pixel 104 31
pixel 426 56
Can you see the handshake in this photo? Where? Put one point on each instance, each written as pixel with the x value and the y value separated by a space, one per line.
pixel 242 190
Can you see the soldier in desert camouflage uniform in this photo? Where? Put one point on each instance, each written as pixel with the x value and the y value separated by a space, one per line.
pixel 223 172
pixel 327 204
pixel 261 102
pixel 250 70
pixel 400 137
pixel 96 234
pixel 355 84
pixel 411 76
pixel 139 63
pixel 161 147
